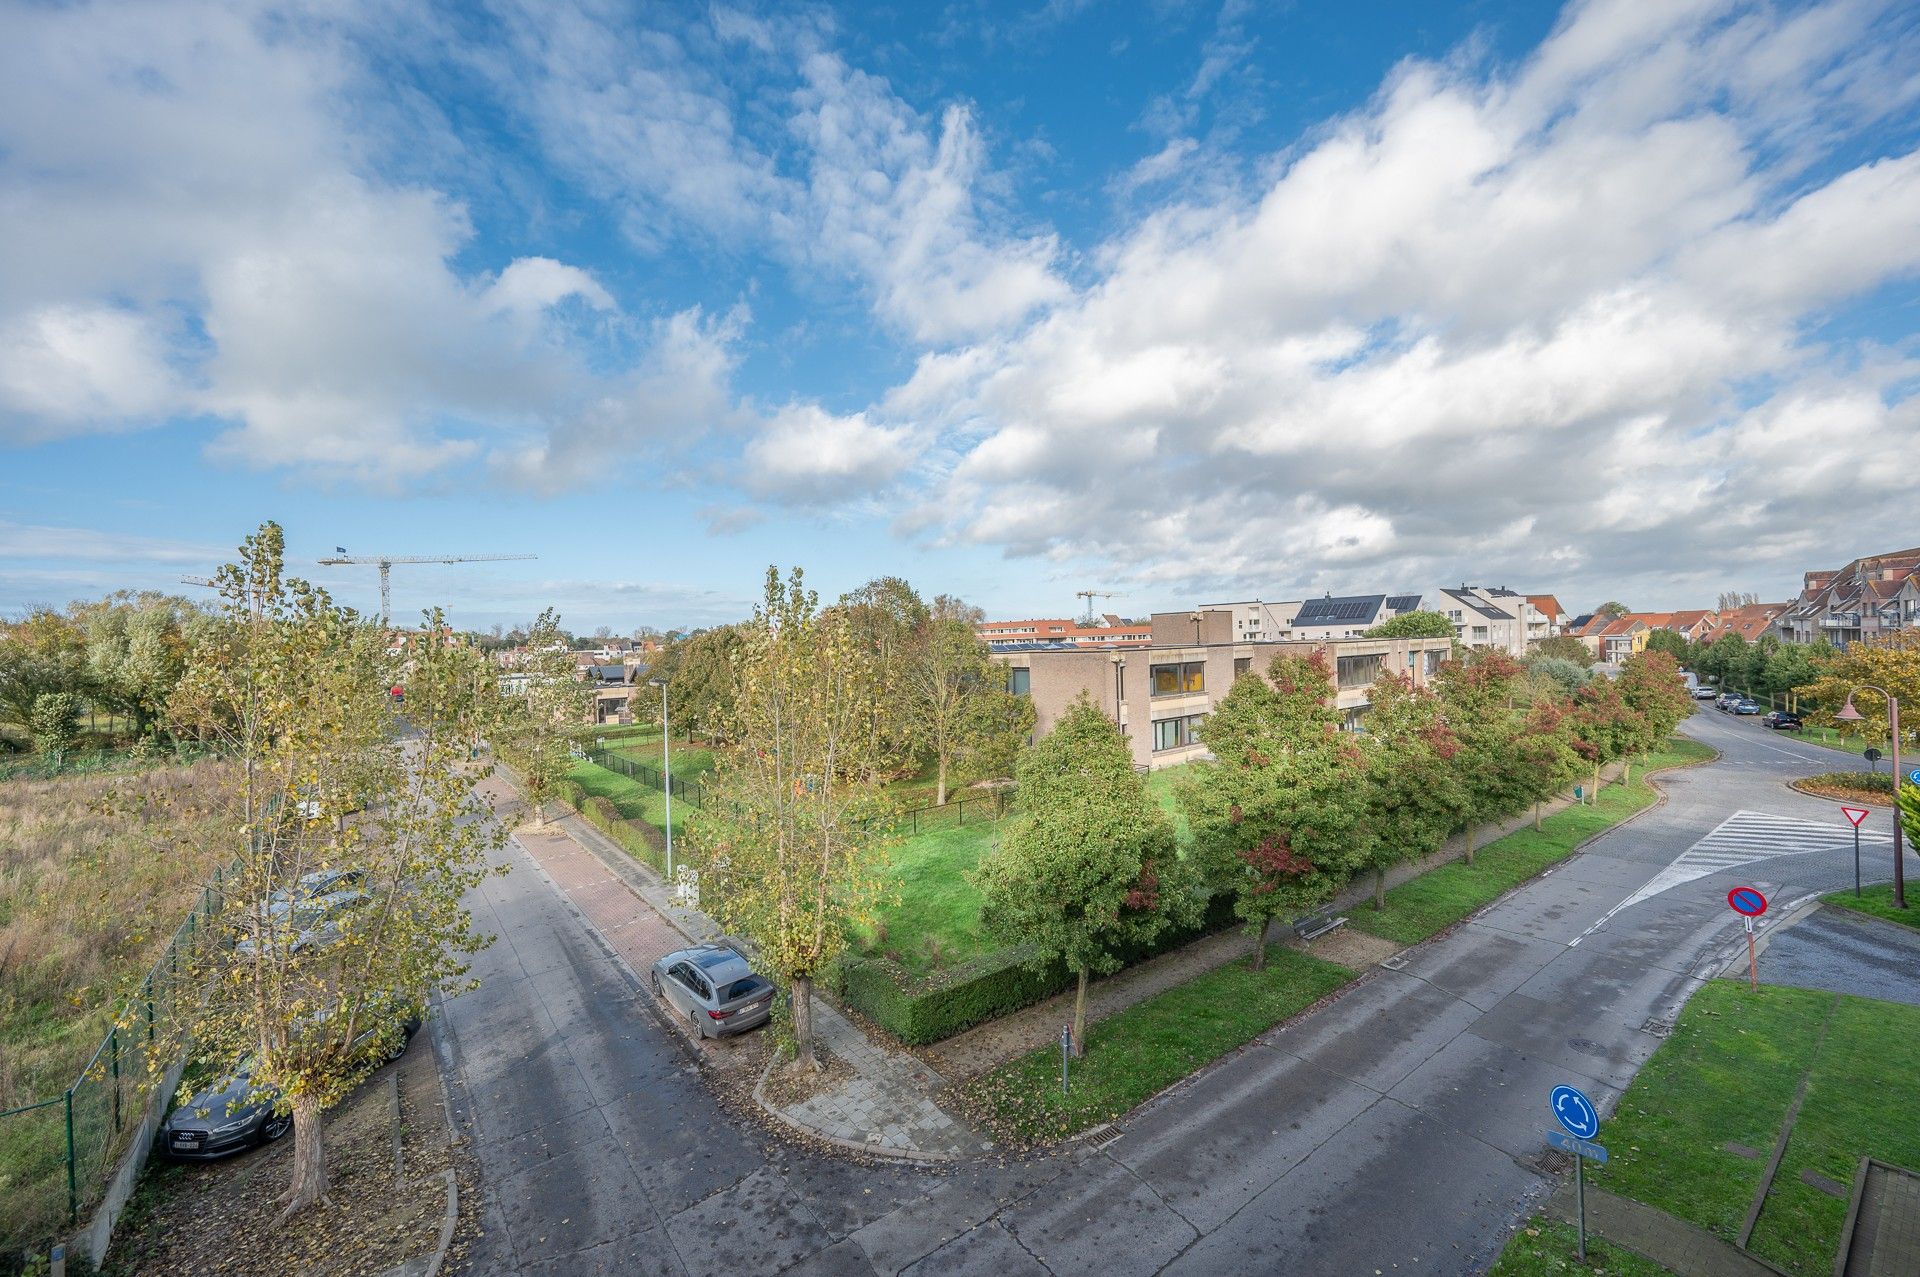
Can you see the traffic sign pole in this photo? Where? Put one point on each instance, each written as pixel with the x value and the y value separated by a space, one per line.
pixel 1856 862
pixel 1753 966
pixel 1580 1202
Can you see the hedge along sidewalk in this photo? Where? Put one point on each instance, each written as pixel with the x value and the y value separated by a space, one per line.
pixel 1431 899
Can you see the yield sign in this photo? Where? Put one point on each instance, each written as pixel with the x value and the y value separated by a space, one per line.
pixel 1854 814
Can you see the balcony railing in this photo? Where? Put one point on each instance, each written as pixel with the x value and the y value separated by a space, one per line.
pixel 1841 621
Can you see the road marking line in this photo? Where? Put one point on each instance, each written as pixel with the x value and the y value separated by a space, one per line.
pixel 1744 838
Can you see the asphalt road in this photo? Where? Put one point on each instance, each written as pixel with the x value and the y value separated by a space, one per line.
pixel 1395 1130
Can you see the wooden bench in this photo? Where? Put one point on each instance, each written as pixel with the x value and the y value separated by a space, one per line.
pixel 1314 925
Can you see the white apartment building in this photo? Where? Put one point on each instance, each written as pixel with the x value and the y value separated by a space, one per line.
pixel 1257 621
pixel 1485 617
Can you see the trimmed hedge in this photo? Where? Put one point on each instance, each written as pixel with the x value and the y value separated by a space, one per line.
pixel 941 1005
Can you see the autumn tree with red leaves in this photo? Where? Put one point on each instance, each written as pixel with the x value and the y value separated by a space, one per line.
pixel 1413 792
pixel 1279 816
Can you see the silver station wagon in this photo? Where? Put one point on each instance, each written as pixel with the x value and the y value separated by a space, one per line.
pixel 716 990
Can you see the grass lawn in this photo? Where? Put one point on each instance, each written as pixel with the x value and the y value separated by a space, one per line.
pixel 1552 1247
pixel 1149 1046
pixel 1160 785
pixel 1729 1073
pixel 690 762
pixel 1878 902
pixel 1830 738
pixel 632 799
pixel 1548 1246
pixel 1441 897
pixel 935 908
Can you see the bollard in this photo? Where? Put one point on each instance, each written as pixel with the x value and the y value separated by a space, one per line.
pixel 1066 1051
pixel 58 1261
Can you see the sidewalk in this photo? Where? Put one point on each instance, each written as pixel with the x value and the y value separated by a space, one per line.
pixel 883 1106
pixel 1663 1238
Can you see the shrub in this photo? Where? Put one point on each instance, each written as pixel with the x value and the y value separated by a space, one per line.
pixel 943 1004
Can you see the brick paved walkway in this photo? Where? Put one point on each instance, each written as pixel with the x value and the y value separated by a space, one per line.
pixel 884 1106
pixel 1663 1238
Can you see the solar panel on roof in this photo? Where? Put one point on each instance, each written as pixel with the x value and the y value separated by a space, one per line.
pixel 1403 602
pixel 1338 611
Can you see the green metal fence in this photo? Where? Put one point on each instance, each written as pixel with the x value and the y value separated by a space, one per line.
pixel 56 1155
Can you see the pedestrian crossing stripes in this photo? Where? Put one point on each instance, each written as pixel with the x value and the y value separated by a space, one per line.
pixel 1745 838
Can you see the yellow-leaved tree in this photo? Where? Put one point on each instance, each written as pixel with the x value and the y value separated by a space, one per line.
pixel 358 835
pixel 793 833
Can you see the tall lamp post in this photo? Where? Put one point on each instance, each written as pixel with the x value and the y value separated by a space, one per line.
pixel 1848 714
pixel 666 755
pixel 1119 667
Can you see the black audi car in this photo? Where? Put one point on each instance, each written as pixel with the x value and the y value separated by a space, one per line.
pixel 230 1114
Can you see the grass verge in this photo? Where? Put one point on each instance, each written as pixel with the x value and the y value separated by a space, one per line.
pixel 1441 897
pixel 632 799
pixel 1548 1246
pixel 1850 787
pixel 1877 902
pixel 1148 1047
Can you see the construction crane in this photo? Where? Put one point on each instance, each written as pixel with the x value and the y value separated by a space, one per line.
pixel 1090 596
pixel 385 563
pixel 207 581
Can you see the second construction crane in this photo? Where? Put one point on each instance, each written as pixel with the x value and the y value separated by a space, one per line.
pixel 386 562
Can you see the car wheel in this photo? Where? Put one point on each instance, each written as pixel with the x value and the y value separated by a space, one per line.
pixel 397 1050
pixel 653 981
pixel 276 1125
pixel 693 1017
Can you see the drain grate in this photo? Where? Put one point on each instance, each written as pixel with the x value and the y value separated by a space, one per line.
pixel 1398 962
pixel 1658 1027
pixel 1102 1135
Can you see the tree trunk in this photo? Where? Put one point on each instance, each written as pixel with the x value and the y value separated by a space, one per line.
pixel 1260 944
pixel 1469 844
pixel 1594 792
pixel 309 1159
pixel 803 1056
pixel 1626 771
pixel 1536 815
pixel 1080 1017
pixel 940 789
pixel 1379 889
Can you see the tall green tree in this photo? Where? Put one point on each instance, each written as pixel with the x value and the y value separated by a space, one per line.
pixel 1078 873
pixel 1547 756
pixel 1478 697
pixel 316 992
pixel 1279 816
pixel 1564 647
pixel 42 653
pixel 1604 728
pixel 1671 642
pixel 889 619
pixel 55 723
pixel 550 709
pixel 792 834
pixel 702 679
pixel 1422 624
pixel 137 646
pixel 1414 792
pixel 957 700
pixel 1652 687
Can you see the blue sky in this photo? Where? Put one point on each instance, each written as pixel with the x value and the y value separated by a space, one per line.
pixel 1185 301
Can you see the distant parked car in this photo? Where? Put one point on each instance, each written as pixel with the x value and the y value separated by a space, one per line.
pixel 303 923
pixel 1746 707
pixel 1781 720
pixel 230 1115
pixel 1703 693
pixel 1725 702
pixel 715 988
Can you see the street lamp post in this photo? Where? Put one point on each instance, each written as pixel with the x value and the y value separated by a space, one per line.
pixel 1848 714
pixel 1119 666
pixel 666 755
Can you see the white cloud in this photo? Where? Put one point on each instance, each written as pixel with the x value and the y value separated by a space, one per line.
pixel 804 455
pixel 70 367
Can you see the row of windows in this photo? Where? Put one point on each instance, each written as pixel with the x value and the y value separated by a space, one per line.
pixel 1173 733
pixel 1171 680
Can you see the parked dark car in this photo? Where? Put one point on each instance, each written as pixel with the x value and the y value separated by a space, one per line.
pixel 715 988
pixel 1746 707
pixel 1781 720
pixel 230 1114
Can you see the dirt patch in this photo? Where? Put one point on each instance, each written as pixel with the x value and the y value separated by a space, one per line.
pixel 218 1217
pixel 1354 950
pixel 787 1086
